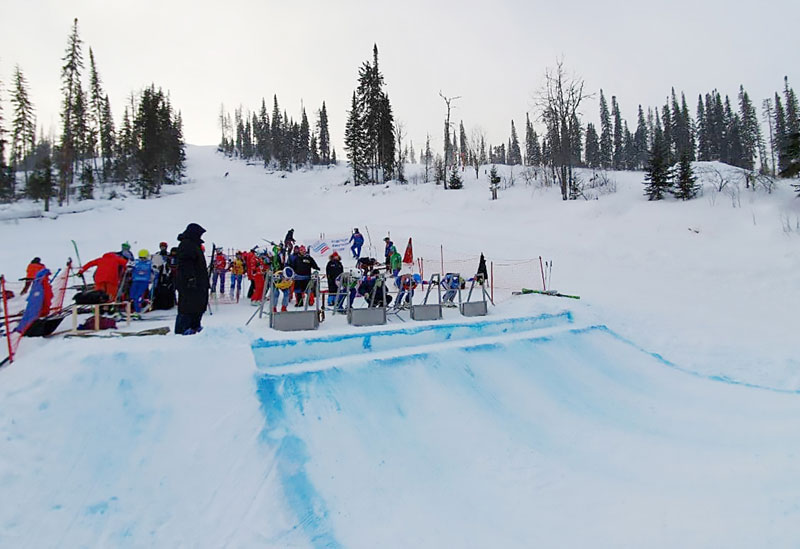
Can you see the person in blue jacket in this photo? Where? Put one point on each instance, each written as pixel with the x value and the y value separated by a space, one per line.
pixel 140 279
pixel 358 240
pixel 387 253
pixel 451 284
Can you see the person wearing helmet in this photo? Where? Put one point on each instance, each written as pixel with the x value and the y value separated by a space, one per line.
pixel 220 268
pixel 332 270
pixel 406 284
pixel 141 276
pixel 236 268
pixel 358 240
pixel 125 251
pixel 281 282
pixel 387 252
pixel 303 265
pixel 451 283
pixel 396 262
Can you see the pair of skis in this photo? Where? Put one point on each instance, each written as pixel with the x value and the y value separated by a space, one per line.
pixel 553 293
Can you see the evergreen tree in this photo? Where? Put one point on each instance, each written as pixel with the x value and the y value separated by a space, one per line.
pixel 592 147
pixel 41 185
pixel 377 120
pixel 532 152
pixel 333 156
pixel 514 153
pixel 641 141
pixel 686 185
pixel 618 159
pixel 315 158
pixel 354 143
pixel 631 154
pixel 462 144
pixel 658 173
pixel 71 88
pixel 576 142
pixel 276 132
pixel 23 132
pixel 100 120
pixel 666 125
pixel 107 138
pixel 6 177
pixel 781 135
pixel 750 130
pixel 703 145
pixel 303 149
pixel 792 109
pixel 324 136
pixel 455 181
pixel 606 141
pixel 412 157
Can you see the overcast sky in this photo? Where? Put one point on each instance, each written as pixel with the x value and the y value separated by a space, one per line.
pixel 493 54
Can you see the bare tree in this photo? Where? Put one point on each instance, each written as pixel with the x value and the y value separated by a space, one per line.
pixel 447 101
pixel 476 138
pixel 402 153
pixel 559 100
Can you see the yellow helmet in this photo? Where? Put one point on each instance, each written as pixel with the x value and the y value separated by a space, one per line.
pixel 144 253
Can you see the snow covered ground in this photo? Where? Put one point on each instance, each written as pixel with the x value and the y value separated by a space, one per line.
pixel 659 410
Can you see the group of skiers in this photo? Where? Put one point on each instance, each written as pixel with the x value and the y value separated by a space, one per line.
pixel 151 281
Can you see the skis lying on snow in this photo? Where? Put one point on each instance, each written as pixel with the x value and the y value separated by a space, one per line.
pixel 526 291
pixel 164 330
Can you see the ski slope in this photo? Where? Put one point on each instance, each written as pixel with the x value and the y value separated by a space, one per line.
pixel 658 411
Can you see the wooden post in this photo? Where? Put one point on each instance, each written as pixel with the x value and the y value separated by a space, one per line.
pixel 128 312
pixel 96 318
pixel 75 319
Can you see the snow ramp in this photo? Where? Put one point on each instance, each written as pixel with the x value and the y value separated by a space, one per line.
pixel 522 433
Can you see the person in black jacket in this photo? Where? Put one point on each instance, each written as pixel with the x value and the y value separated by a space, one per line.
pixel 303 264
pixel 332 270
pixel 191 281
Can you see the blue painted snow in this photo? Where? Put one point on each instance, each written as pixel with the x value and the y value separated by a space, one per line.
pixel 269 353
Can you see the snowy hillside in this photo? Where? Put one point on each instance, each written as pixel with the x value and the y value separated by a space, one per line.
pixel 659 410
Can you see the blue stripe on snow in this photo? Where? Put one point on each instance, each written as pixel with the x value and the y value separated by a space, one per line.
pixel 292 456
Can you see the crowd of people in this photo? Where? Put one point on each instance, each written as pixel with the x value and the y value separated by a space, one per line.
pixel 181 275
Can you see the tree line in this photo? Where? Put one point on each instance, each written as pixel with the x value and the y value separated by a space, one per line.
pixel 146 152
pixel 278 140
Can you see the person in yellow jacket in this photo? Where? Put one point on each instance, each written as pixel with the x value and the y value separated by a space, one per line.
pixel 237 269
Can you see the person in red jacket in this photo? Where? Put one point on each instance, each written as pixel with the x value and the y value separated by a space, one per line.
pixel 33 267
pixel 106 277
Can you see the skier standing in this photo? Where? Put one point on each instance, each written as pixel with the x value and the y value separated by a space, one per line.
pixel 303 265
pixel 237 270
pixel 358 240
pixel 30 273
pixel 220 268
pixel 387 252
pixel 141 276
pixel 191 281
pixel 332 270
pixel 395 262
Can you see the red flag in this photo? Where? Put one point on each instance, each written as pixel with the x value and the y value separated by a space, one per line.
pixel 409 255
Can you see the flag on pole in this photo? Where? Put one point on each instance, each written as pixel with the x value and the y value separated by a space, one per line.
pixel 409 255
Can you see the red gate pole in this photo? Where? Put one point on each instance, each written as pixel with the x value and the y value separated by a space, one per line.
pixel 5 314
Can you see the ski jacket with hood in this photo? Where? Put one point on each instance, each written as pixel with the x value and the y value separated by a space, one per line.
pixel 192 277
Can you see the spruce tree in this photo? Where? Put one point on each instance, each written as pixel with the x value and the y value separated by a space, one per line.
pixel 71 88
pixel 514 153
pixel 686 186
pixel 41 185
pixel 530 142
pixel 324 136
pixel 618 159
pixel 641 141
pixel 377 119
pixel 354 143
pixel 703 146
pixel 462 143
pixel 455 181
pixel 606 140
pixel 303 149
pixel 658 173
pixel 592 147
pixel 23 133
